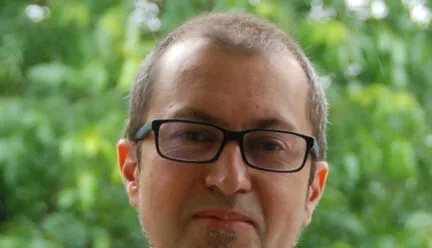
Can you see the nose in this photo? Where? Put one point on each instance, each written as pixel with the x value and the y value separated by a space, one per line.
pixel 229 174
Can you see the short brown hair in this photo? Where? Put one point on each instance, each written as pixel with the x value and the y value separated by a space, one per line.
pixel 238 32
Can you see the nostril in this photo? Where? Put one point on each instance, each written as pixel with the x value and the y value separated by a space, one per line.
pixel 227 179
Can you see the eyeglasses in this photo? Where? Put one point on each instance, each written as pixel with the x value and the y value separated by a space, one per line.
pixel 197 142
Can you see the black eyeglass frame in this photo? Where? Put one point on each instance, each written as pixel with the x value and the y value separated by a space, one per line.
pixel 228 135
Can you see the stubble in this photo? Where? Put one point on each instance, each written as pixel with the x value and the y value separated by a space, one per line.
pixel 220 239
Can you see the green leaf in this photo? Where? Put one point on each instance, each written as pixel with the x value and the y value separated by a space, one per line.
pixel 50 74
pixel 65 228
pixel 12 241
pixel 402 162
pixel 101 238
pixel 86 189
pixel 419 221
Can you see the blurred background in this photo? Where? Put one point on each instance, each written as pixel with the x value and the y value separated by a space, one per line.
pixel 66 67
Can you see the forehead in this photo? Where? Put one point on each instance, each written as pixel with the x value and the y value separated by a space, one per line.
pixel 231 86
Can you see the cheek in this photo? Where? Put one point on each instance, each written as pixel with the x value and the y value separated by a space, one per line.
pixel 164 187
pixel 283 199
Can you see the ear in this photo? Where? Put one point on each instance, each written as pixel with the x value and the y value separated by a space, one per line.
pixel 316 189
pixel 128 163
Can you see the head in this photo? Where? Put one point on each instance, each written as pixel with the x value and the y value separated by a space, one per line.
pixel 235 73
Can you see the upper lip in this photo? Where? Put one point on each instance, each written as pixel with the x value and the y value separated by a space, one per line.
pixel 227 215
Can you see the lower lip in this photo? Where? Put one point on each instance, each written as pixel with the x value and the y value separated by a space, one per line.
pixel 227 225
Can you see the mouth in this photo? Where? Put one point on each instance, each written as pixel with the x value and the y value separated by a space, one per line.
pixel 224 220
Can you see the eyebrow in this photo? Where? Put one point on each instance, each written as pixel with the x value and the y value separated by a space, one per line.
pixel 261 123
pixel 197 115
pixel 274 123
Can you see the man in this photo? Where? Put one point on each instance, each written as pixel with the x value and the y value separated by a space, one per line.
pixel 226 141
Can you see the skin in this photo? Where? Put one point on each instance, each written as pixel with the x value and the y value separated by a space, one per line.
pixel 203 82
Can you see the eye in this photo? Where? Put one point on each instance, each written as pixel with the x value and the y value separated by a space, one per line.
pixel 266 143
pixel 270 146
pixel 193 136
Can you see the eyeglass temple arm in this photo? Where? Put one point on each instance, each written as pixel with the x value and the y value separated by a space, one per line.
pixel 143 131
pixel 315 149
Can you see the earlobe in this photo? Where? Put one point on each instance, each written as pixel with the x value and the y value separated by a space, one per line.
pixel 316 189
pixel 127 160
pixel 132 191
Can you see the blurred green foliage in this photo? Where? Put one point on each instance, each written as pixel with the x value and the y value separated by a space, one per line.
pixel 65 70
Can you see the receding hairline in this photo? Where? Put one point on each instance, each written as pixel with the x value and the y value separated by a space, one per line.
pixel 237 32
pixel 204 42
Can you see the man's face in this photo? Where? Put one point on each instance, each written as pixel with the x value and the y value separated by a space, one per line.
pixel 224 203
